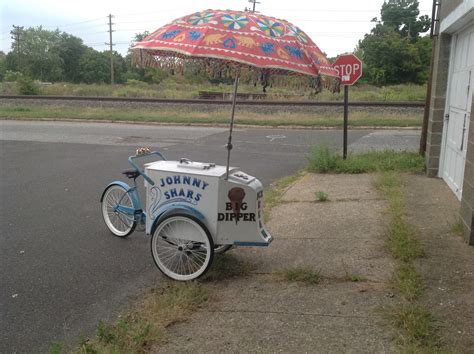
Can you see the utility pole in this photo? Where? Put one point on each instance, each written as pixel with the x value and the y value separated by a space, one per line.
pixel 254 2
pixel 111 51
pixel 17 32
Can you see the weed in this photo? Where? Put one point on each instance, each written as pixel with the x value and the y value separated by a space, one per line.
pixel 402 241
pixel 418 327
pixel 301 274
pixel 457 228
pixel 56 348
pixel 351 276
pixel 322 159
pixel 355 278
pixel 146 325
pixel 273 195
pixel 321 196
pixel 227 266
pixel 407 281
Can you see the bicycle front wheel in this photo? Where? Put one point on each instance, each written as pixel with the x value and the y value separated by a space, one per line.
pixel 118 211
pixel 182 247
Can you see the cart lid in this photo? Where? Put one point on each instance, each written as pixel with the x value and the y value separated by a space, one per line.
pixel 190 167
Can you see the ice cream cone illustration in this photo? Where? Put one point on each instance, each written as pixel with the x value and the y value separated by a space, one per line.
pixel 236 196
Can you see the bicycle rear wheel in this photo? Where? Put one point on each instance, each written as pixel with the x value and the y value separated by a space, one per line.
pixel 118 211
pixel 182 247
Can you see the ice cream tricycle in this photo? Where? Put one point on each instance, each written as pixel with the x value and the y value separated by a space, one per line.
pixel 192 211
pixel 196 209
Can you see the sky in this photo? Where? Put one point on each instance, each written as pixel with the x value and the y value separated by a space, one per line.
pixel 335 26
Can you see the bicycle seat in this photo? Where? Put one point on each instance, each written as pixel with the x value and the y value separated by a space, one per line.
pixel 131 173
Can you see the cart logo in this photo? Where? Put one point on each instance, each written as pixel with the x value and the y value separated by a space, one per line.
pixel 155 197
pixel 181 188
pixel 236 196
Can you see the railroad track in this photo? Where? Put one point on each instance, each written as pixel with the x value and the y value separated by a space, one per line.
pixel 216 102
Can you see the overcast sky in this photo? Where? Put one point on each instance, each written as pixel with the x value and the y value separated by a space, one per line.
pixel 335 26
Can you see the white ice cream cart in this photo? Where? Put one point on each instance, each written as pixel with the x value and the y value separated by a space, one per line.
pixel 193 210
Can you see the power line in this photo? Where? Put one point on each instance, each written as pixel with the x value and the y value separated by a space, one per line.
pixel 74 23
pixel 331 10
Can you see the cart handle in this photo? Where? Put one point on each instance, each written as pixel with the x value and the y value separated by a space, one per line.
pixel 139 156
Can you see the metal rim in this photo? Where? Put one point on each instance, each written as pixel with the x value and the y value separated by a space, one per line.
pixel 219 249
pixel 182 247
pixel 119 223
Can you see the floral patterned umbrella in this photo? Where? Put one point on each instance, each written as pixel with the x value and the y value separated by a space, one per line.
pixel 235 36
pixel 234 39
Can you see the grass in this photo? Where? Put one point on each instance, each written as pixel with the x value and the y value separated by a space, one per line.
pixel 408 281
pixel 304 275
pixel 402 241
pixel 177 87
pixel 417 327
pixel 145 326
pixel 356 278
pixel 457 228
pixel 323 159
pixel 273 195
pixel 227 266
pixel 321 196
pixel 216 115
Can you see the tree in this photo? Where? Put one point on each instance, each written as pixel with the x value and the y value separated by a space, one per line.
pixel 71 49
pixel 94 67
pixel 394 52
pixel 402 16
pixel 39 51
pixel 3 65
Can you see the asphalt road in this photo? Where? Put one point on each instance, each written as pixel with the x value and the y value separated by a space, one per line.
pixel 61 270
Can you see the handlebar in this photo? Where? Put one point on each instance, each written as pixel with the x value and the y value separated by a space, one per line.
pixel 139 156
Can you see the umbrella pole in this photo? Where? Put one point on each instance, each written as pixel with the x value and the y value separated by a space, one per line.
pixel 229 142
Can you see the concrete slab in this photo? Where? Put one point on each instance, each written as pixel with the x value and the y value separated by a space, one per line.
pixel 337 186
pixel 262 312
pixel 449 265
pixel 286 317
pixel 328 220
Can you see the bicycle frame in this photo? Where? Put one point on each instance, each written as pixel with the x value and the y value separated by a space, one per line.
pixel 137 210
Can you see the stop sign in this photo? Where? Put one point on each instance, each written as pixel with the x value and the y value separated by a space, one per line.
pixel 349 68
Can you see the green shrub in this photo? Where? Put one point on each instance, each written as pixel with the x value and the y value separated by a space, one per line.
pixel 321 196
pixel 135 83
pixel 12 76
pixel 26 86
pixel 322 159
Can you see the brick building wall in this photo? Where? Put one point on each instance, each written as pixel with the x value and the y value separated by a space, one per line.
pixel 442 50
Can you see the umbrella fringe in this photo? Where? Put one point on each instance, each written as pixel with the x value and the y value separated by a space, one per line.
pixel 226 69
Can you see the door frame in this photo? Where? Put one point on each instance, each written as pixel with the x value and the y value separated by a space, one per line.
pixel 442 162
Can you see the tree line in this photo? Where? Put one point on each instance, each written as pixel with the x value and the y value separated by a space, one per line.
pixel 394 52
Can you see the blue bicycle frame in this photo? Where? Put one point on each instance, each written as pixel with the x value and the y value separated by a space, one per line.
pixel 136 211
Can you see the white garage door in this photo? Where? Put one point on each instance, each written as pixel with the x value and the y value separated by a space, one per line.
pixel 458 110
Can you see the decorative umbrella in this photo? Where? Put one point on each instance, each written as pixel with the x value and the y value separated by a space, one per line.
pixel 232 40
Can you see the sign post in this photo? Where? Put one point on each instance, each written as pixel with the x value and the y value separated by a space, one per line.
pixel 349 68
